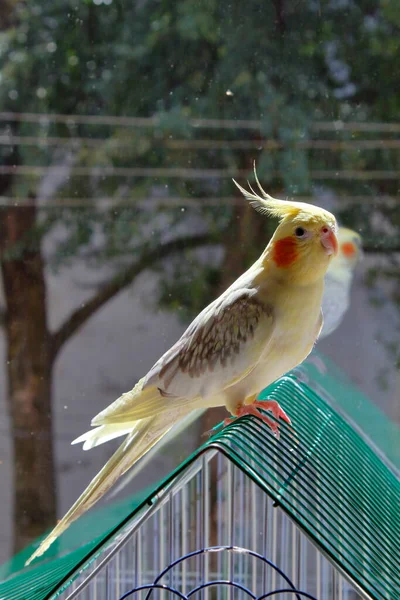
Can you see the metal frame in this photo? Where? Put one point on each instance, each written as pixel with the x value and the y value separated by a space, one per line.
pixel 225 582
pixel 284 473
pixel 159 500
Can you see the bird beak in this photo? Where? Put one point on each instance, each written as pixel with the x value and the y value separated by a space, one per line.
pixel 329 241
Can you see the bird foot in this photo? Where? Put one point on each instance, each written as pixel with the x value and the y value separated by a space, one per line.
pixel 253 409
pixel 274 407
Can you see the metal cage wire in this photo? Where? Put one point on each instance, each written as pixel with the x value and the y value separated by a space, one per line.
pixel 213 506
pixel 220 582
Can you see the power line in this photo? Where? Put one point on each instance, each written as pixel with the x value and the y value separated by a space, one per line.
pixel 45 118
pixel 119 202
pixel 275 145
pixel 185 173
pixel 42 141
pixel 356 126
pixel 110 171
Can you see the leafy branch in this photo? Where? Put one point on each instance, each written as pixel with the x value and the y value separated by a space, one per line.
pixel 119 282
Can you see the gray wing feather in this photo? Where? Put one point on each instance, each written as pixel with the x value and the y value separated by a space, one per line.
pixel 213 340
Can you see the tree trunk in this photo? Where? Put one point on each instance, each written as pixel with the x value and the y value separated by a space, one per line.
pixel 244 242
pixel 29 376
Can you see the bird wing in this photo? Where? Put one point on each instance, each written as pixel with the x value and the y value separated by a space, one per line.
pixel 220 347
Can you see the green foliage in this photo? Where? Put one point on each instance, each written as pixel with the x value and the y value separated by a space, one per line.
pixel 183 291
pixel 286 64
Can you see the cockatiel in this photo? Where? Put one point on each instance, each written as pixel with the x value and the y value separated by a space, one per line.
pixel 338 279
pixel 335 302
pixel 261 327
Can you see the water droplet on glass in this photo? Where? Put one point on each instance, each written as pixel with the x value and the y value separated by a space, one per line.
pixel 41 92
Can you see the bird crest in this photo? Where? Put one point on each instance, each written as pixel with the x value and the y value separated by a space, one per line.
pixel 266 204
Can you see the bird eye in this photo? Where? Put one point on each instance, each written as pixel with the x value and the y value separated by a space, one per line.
pixel 299 232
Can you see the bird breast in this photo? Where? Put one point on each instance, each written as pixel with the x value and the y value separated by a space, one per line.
pixel 298 321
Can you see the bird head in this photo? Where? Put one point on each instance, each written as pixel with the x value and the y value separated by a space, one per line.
pixel 305 240
pixel 350 249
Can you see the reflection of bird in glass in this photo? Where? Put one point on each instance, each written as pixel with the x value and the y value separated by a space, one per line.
pixel 262 326
pixel 338 280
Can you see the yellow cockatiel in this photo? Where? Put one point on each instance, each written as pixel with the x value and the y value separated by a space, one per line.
pixel 335 302
pixel 262 326
pixel 338 279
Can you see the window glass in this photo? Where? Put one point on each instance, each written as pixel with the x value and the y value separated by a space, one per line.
pixel 122 125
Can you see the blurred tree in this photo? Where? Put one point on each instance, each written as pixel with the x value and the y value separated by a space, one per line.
pixel 286 64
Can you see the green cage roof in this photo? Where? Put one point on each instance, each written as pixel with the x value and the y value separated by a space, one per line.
pixel 334 386
pixel 322 472
pixel 330 481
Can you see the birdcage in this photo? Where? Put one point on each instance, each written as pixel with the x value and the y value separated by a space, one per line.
pixel 313 515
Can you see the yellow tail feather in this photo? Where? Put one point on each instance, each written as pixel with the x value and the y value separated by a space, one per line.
pixel 182 420
pixel 138 404
pixel 101 435
pixel 144 435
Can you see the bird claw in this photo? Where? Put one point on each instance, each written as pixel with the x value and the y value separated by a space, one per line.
pixel 253 409
pixel 275 408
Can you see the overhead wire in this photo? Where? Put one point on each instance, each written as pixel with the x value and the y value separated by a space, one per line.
pixel 334 145
pixel 108 170
pixel 336 125
pixel 167 201
pixel 184 172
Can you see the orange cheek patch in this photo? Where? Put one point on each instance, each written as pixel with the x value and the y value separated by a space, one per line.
pixel 348 249
pixel 285 252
